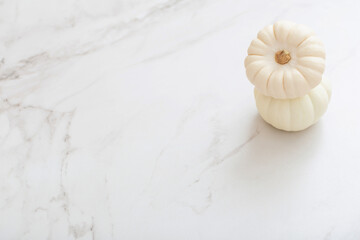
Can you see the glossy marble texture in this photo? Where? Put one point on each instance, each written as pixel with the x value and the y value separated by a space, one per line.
pixel 133 120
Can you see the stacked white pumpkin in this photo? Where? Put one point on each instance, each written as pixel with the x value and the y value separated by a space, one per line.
pixel 286 63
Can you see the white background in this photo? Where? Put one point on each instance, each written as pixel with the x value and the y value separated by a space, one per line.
pixel 134 119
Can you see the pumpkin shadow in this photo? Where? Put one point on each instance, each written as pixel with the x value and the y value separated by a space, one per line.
pixel 276 162
pixel 279 146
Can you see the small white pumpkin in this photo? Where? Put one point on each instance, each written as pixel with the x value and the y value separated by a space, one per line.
pixel 286 60
pixel 295 114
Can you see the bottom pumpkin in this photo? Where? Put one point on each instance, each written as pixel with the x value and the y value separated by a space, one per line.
pixel 295 114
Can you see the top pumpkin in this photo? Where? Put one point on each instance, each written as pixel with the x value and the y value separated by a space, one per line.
pixel 286 60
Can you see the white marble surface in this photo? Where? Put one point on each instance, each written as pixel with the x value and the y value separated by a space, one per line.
pixel 133 119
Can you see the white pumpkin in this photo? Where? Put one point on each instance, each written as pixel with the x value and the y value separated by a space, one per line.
pixel 295 114
pixel 286 60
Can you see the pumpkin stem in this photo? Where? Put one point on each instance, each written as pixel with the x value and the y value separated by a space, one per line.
pixel 282 57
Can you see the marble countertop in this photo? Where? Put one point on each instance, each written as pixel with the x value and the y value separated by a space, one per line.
pixel 133 119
